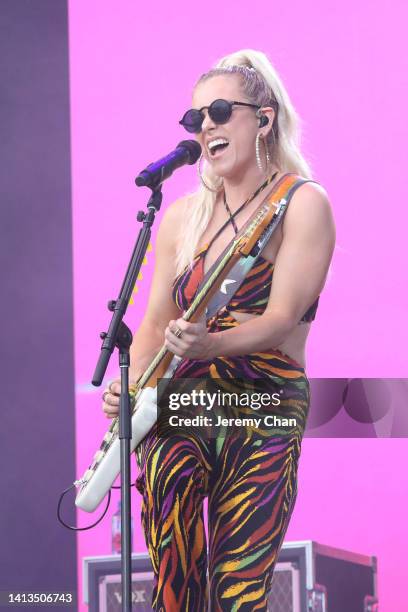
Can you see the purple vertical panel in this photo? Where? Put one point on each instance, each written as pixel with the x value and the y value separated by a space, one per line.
pixel 37 443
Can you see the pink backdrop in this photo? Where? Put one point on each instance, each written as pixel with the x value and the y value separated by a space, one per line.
pixel 132 68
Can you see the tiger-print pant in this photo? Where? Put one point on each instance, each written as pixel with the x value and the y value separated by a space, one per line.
pixel 251 485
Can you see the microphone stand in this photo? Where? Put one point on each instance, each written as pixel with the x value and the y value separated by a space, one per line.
pixel 120 336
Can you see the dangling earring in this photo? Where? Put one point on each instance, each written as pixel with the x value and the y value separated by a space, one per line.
pixel 268 159
pixel 273 145
pixel 257 153
pixel 202 178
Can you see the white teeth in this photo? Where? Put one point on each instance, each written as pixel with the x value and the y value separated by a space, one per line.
pixel 214 143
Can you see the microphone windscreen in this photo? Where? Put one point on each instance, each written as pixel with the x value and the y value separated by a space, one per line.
pixel 193 148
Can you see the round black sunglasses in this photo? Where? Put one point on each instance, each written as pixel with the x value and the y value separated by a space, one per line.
pixel 219 111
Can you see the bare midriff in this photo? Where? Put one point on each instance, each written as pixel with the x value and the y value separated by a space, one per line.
pixel 294 345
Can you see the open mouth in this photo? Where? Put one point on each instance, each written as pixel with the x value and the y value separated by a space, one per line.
pixel 217 147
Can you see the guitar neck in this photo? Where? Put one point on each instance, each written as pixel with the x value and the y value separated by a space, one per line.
pixel 162 360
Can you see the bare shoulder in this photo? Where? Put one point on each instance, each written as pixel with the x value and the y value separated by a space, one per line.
pixel 176 210
pixel 310 207
pixel 171 220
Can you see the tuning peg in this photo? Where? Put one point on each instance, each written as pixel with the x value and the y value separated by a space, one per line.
pixel 144 260
pixel 149 247
pixel 139 276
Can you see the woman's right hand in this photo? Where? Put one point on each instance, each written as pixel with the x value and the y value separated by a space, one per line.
pixel 111 398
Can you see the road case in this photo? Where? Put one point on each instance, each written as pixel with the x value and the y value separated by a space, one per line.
pixel 308 577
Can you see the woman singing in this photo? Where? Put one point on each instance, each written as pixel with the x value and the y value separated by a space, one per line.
pixel 247 127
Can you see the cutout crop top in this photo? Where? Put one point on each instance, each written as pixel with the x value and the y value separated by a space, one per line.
pixel 251 297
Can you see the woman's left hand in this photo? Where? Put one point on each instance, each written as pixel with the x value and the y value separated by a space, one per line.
pixel 194 342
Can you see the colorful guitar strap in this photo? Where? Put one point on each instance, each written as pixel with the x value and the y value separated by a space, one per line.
pixel 280 197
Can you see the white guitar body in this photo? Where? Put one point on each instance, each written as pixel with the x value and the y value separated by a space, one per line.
pixel 101 475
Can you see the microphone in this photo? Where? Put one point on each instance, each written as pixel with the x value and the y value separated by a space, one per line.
pixel 187 152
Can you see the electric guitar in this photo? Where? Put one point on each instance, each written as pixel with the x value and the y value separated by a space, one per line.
pixel 243 250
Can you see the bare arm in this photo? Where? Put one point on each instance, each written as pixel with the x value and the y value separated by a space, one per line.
pixel 300 272
pixel 299 276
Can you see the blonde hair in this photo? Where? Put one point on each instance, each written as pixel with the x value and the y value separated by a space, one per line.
pixel 263 87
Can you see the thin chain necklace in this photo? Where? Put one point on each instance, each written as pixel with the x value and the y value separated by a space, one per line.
pixel 252 197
